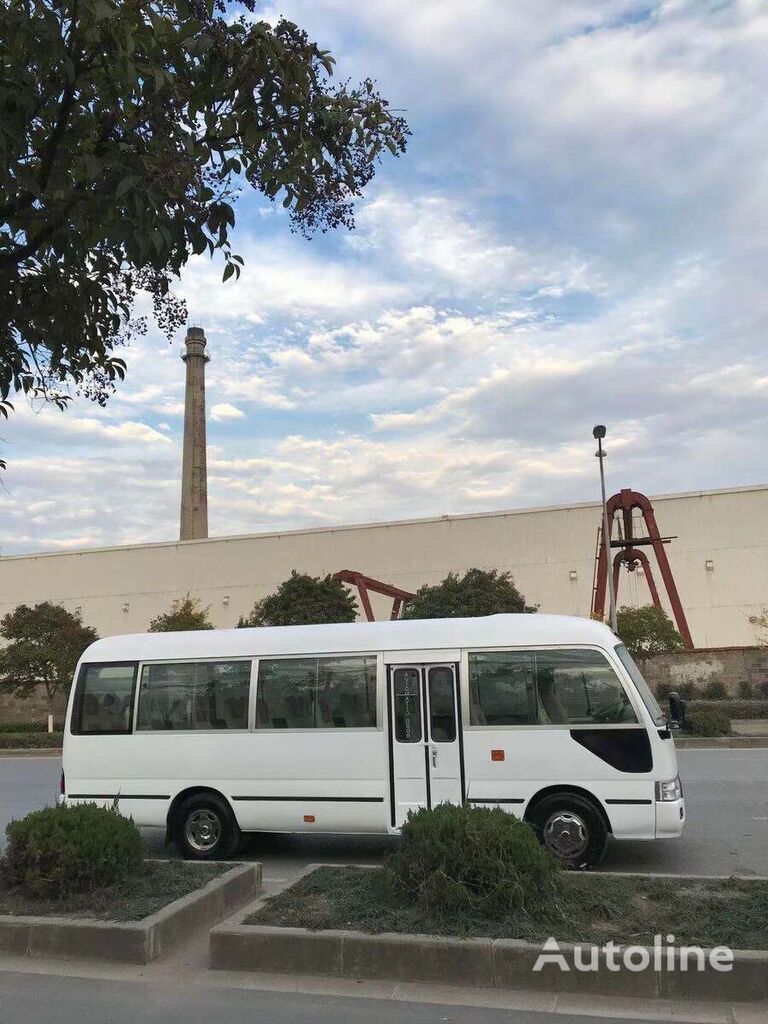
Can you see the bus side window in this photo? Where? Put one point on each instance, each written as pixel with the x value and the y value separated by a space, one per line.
pixel 202 695
pixel 317 693
pixel 501 688
pixel 104 699
pixel 579 687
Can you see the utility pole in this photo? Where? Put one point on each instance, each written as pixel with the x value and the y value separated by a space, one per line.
pixel 599 433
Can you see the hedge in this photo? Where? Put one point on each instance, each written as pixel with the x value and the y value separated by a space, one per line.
pixel 25 726
pixel 732 708
pixel 709 721
pixel 30 740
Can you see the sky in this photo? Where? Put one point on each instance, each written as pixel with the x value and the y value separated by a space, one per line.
pixel 576 235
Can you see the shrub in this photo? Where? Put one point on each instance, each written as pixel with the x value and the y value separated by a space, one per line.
pixel 733 708
pixel 707 722
pixel 688 691
pixel 715 690
pixel 746 690
pixel 30 740
pixel 66 849
pixel 23 727
pixel 463 858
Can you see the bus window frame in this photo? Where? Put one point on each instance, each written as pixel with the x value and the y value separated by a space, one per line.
pixel 637 706
pixel 337 730
pixel 75 723
pixel 194 732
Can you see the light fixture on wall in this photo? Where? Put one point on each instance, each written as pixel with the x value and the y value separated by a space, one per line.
pixel 225 600
pixel 573 576
pixel 709 565
pixel 126 607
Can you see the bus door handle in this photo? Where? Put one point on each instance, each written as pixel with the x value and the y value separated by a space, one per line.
pixel 434 757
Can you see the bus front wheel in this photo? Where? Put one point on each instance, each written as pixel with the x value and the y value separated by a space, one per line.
pixel 206 828
pixel 571 828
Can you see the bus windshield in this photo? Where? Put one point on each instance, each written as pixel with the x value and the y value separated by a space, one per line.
pixel 658 716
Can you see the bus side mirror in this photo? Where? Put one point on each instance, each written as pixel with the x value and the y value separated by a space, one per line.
pixel 676 708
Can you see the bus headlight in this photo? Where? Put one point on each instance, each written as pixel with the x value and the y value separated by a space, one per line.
pixel 666 792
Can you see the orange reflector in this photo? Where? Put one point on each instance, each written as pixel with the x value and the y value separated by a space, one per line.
pixel 309 817
pixel 497 755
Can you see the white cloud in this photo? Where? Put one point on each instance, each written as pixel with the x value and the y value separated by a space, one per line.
pixel 225 411
pixel 446 237
pixel 282 277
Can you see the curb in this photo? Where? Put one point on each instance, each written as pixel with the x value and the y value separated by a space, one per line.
pixel 725 742
pixel 480 963
pixel 135 942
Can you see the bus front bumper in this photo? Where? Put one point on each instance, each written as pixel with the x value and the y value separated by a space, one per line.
pixel 670 818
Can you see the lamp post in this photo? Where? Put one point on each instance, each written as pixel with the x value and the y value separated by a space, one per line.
pixel 599 433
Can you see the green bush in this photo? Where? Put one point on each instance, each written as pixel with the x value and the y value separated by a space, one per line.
pixel 461 858
pixel 688 691
pixel 65 849
pixel 746 690
pixel 707 722
pixel 23 727
pixel 715 690
pixel 733 708
pixel 30 740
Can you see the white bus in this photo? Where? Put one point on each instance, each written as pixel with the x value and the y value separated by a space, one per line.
pixel 346 728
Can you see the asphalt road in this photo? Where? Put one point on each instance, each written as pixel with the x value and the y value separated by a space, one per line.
pixel 40 999
pixel 727 829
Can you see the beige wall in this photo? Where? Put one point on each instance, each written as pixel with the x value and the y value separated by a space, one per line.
pixel 540 547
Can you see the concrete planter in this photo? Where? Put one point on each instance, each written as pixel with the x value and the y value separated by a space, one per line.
pixel 482 963
pixel 136 942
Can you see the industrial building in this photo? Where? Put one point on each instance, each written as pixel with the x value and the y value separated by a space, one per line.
pixel 718 554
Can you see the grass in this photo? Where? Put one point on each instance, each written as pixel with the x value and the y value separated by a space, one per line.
pixel 154 887
pixel 586 908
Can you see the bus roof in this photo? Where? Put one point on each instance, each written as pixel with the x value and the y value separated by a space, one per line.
pixel 349 637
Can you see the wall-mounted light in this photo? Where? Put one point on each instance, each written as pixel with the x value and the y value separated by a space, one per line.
pixel 126 607
pixel 709 565
pixel 573 575
pixel 225 600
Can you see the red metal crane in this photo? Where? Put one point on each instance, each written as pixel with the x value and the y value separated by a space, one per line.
pixel 630 553
pixel 366 583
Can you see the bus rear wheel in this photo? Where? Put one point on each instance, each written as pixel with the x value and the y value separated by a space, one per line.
pixel 206 828
pixel 572 829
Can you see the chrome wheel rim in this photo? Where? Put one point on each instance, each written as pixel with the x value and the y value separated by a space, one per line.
pixel 566 835
pixel 203 830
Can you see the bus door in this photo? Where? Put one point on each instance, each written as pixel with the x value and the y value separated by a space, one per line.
pixel 426 757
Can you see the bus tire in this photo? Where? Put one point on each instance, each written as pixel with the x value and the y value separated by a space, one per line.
pixel 572 828
pixel 206 828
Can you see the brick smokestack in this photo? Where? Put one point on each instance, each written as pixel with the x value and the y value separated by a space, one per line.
pixel 193 523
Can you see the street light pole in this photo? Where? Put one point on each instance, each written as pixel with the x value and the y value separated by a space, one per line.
pixel 599 433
